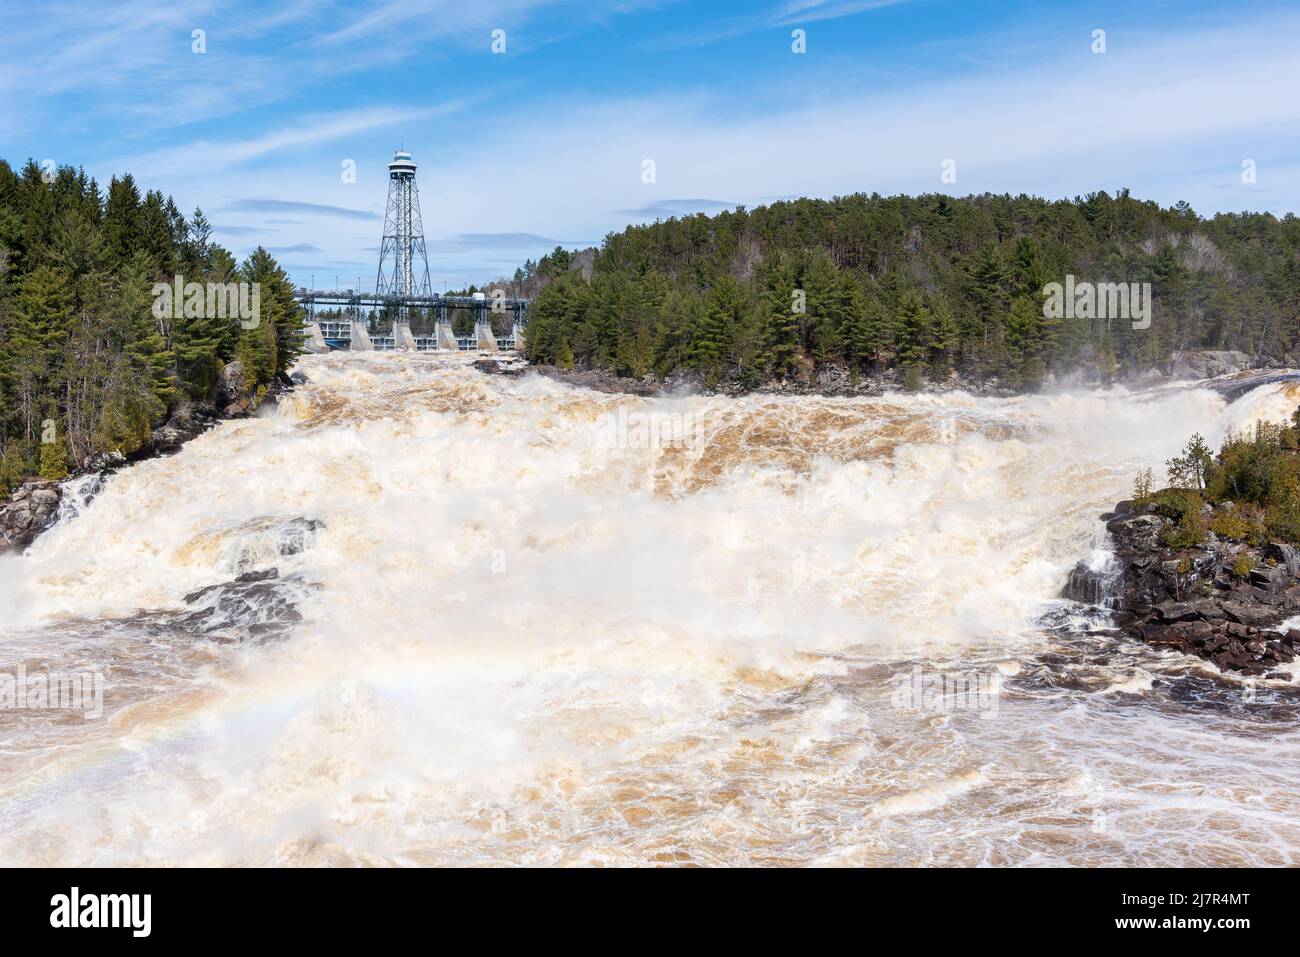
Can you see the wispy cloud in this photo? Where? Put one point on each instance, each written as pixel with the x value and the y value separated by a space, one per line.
pixel 548 141
pixel 784 15
pixel 666 208
pixel 464 242
pixel 240 230
pixel 811 11
pixel 292 206
pixel 208 156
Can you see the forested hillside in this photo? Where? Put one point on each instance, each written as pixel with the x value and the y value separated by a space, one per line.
pixel 923 285
pixel 85 366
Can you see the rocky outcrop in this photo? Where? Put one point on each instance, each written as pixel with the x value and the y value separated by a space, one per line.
pixel 601 381
pixel 235 393
pixel 505 366
pixel 34 506
pixel 1207 365
pixel 257 605
pixel 31 509
pixel 188 422
pixel 1223 600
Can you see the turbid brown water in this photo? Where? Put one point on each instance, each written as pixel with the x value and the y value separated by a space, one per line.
pixel 515 621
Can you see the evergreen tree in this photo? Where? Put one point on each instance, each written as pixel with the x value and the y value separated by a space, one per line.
pixel 781 346
pixel 122 233
pixel 913 332
pixel 723 310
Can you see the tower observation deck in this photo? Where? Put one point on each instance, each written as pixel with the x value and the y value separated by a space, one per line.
pixel 403 261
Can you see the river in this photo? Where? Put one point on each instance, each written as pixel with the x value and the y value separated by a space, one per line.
pixel 514 621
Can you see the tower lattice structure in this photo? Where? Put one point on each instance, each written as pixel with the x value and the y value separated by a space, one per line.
pixel 403 262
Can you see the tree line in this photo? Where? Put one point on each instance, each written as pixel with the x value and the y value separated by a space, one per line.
pixel 928 286
pixel 86 364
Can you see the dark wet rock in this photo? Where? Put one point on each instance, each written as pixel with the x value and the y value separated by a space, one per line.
pixel 1175 611
pixel 256 605
pixel 248 578
pixel 298 534
pixel 1092 586
pixel 266 540
pixel 282 384
pixel 1286 555
pixel 602 381
pixel 1221 600
pixel 32 508
pixel 1255 613
pixel 105 462
pixel 187 423
pixel 505 367
pixel 235 394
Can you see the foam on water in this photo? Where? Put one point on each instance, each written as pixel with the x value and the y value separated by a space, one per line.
pixel 520 642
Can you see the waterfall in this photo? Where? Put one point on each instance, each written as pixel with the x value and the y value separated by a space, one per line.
pixel 419 614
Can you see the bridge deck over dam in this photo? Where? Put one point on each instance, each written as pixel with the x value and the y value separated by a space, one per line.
pixel 349 317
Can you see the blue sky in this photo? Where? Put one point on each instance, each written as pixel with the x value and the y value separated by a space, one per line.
pixel 545 143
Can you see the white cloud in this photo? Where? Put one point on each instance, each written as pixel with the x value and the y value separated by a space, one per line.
pixel 204 157
pixel 1170 115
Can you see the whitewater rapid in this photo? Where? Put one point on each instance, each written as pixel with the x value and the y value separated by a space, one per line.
pixel 502 629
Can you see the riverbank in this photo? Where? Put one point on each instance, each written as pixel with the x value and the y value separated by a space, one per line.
pixel 835 381
pixel 36 505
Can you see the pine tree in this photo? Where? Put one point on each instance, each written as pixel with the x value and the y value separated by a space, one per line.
pixel 711 342
pixel 563 354
pixel 54 461
pixel 143 343
pixel 944 337
pixel 913 332
pixel 1023 339
pixel 43 323
pixel 781 348
pixel 279 311
pixel 122 218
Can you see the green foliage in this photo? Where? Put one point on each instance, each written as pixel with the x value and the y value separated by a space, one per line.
pixel 1190 469
pixel 1253 483
pixel 976 266
pixel 13 466
pixel 54 461
pixel 1188 531
pixel 1175 502
pixel 79 340
pixel 564 355
pixel 1142 487
pixel 1232 521
pixel 1242 566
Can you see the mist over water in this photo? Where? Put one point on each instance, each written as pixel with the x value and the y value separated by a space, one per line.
pixel 494 636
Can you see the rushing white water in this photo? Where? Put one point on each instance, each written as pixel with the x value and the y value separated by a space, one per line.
pixel 498 637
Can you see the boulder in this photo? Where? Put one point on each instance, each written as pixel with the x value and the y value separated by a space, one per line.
pixel 1207 364
pixel 1287 556
pixel 1247 613
pixel 234 396
pixel 1175 611
pixel 31 509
